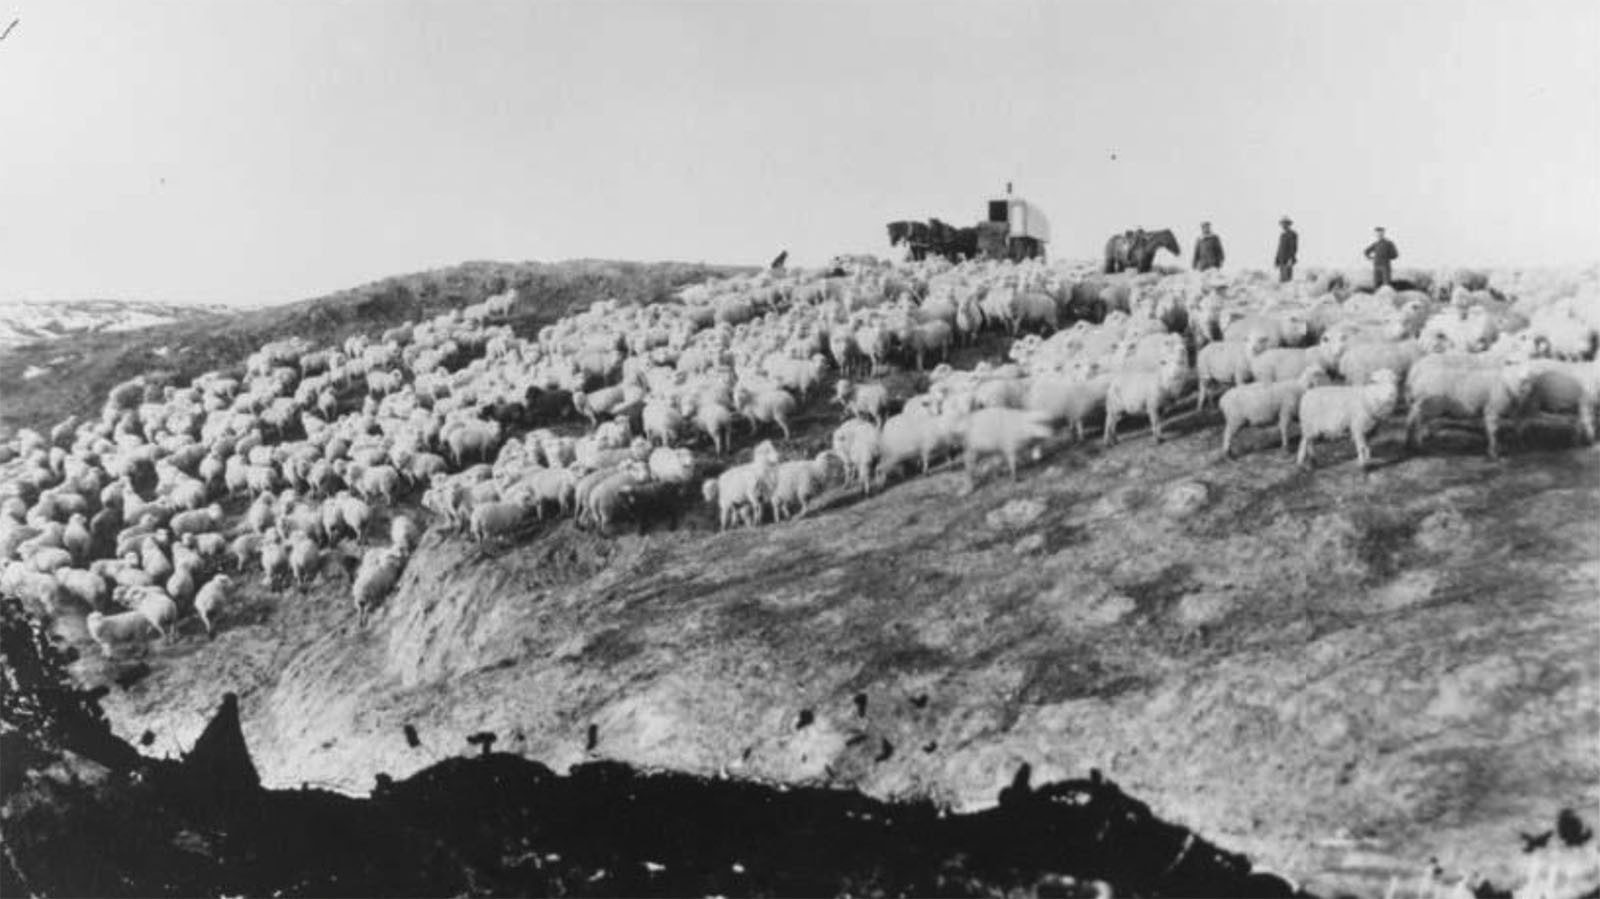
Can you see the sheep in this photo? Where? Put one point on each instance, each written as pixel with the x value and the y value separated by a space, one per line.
pixel 86 586
pixel 495 520
pixel 1563 388
pixel 1354 408
pixel 796 483
pixel 661 422
pixel 274 563
pixel 928 337
pixel 609 498
pixel 1064 400
pixel 856 442
pixel 244 548
pixel 1143 390
pixel 1270 364
pixel 673 466
pixel 1001 432
pixel 1361 359
pixel 478 439
pixel 404 533
pixel 1264 403
pixel 158 608
pixel 354 515
pixel 1224 362
pixel 906 436
pixel 76 539
pixel 716 420
pixel 743 489
pixel 870 400
pixel 42 593
pixel 181 585
pixel 552 485
pixel 304 559
pixel 1287 330
pixel 113 631
pixel 1440 386
pixel 378 573
pixel 774 405
pixel 196 522
pixel 211 598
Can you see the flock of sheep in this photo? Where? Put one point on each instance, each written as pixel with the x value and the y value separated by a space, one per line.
pixel 308 462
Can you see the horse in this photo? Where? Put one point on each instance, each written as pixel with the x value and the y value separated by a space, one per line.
pixel 1137 250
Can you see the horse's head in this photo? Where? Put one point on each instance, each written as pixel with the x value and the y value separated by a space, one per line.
pixel 898 231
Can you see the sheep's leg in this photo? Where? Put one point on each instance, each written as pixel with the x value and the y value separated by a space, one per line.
pixel 1304 458
pixel 1200 402
pixel 1154 411
pixel 1413 420
pixel 1228 432
pixel 1491 424
pixel 1359 437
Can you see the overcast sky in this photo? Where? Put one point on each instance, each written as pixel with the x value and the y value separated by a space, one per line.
pixel 254 152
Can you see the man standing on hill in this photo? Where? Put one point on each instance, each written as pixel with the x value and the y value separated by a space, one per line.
pixel 1288 250
pixel 1208 249
pixel 1382 252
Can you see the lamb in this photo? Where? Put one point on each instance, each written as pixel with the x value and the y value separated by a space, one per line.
pixel 1001 432
pixel 210 598
pixel 1437 386
pixel 774 405
pixel 379 572
pixel 1143 390
pixel 114 631
pixel 796 483
pixel 1264 403
pixel 1354 408
pixel 870 400
pixel 1224 362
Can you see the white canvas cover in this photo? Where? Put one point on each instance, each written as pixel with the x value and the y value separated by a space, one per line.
pixel 1028 221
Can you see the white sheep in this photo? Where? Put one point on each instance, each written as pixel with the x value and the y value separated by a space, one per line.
pixel 743 489
pixel 1264 403
pixel 1143 391
pixel 158 608
pixel 1443 386
pixel 114 631
pixel 1356 409
pixel 211 598
pixel 86 586
pixel 1001 432
pixel 495 520
pixel 1067 400
pixel 274 563
pixel 661 422
pixel 1223 362
pixel 1563 388
pixel 856 442
pixel 869 400
pixel 378 573
pixel 196 522
pixel 907 436
pixel 1269 364
pixel 796 483
pixel 773 405
pixel 404 533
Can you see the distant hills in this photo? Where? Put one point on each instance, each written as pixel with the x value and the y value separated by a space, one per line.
pixel 23 322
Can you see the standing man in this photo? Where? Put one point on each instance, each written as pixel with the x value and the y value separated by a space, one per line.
pixel 1208 249
pixel 1382 252
pixel 1288 251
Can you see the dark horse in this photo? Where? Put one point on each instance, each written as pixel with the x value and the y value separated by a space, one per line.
pixel 936 238
pixel 1137 250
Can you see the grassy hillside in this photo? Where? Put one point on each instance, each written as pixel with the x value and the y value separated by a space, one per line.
pixel 79 371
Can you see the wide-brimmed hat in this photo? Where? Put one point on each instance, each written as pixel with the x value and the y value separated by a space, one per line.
pixel 1285 221
pixel 1377 227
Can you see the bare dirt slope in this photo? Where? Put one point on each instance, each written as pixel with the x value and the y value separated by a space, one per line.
pixel 1338 673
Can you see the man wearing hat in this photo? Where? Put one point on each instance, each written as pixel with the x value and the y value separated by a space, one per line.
pixel 1382 252
pixel 1288 250
pixel 1208 249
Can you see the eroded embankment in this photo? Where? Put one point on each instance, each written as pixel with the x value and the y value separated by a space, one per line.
pixel 1338 673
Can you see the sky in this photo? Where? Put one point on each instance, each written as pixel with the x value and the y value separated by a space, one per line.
pixel 251 152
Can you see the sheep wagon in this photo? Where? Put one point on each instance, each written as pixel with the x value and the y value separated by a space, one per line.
pixel 1013 229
